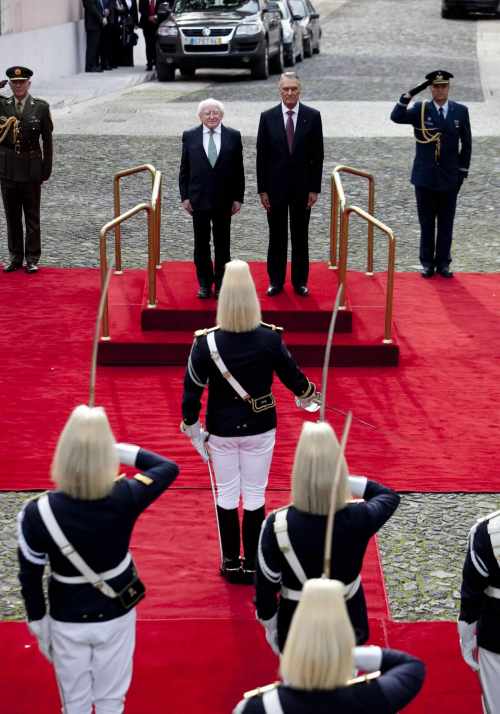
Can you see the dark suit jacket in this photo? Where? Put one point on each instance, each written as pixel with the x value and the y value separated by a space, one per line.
pixel 93 15
pixel 211 188
pixel 144 14
pixel 286 176
pixel 456 144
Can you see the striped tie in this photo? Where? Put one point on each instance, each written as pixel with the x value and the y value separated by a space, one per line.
pixel 212 149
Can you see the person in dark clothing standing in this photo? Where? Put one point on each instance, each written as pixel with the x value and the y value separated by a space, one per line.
pixel 443 152
pixel 212 187
pixel 88 630
pixel 319 659
pixel 95 21
pixel 149 23
pixel 238 359
pixel 24 166
pixel 292 541
pixel 125 19
pixel 289 171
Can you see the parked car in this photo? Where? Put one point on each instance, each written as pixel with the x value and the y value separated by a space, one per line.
pixel 457 8
pixel 293 35
pixel 310 22
pixel 226 34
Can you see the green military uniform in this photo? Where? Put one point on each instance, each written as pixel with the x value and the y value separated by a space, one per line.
pixel 24 165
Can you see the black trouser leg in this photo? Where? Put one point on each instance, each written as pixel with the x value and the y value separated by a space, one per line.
pixel 221 227
pixel 299 237
pixel 31 193
pixel 427 214
pixel 150 42
pixel 92 51
pixel 12 201
pixel 277 219
pixel 202 257
pixel 447 206
pixel 229 524
pixel 358 615
pixel 252 521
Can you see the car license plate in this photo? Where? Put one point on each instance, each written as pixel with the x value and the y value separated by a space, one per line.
pixel 203 40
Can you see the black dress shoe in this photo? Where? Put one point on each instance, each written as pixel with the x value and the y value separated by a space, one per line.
pixel 302 290
pixel 427 272
pixel 13 265
pixel 203 293
pixel 231 570
pixel 273 290
pixel 445 272
pixel 31 268
pixel 247 572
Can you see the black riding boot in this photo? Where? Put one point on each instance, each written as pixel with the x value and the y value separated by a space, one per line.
pixel 229 524
pixel 252 521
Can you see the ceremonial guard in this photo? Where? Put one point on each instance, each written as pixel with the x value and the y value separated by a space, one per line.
pixel 319 659
pixel 238 359
pixel 83 530
pixel 24 166
pixel 444 143
pixel 292 541
pixel 479 620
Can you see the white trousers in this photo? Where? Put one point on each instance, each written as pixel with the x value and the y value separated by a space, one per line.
pixel 93 663
pixel 489 667
pixel 241 467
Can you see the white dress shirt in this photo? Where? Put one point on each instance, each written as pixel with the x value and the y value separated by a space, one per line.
pixel 217 138
pixel 444 108
pixel 295 111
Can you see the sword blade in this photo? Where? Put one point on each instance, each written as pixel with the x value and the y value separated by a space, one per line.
pixel 97 333
pixel 328 349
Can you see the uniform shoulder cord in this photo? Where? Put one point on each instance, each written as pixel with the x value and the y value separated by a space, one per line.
pixel 428 136
pixel 6 124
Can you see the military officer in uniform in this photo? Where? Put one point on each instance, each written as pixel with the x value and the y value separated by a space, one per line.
pixel 479 619
pixel 24 166
pixel 292 541
pixel 318 663
pixel 238 359
pixel 88 630
pixel 444 142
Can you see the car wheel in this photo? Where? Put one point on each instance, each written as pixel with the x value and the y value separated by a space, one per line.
pixel 188 72
pixel 165 72
pixel 289 55
pixel 260 70
pixel 277 63
pixel 307 47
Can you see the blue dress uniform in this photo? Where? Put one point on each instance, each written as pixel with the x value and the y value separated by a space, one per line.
pixel 242 435
pixel 354 525
pixel 480 602
pixel 24 166
pixel 439 168
pixel 400 681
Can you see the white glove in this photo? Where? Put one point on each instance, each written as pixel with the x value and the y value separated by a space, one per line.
pixel 468 643
pixel 127 453
pixel 368 659
pixel 357 485
pixel 41 630
pixel 310 404
pixel 271 630
pixel 198 437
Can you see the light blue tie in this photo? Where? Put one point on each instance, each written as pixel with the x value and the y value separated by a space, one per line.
pixel 212 149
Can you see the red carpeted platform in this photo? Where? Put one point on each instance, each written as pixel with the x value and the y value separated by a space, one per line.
pixel 163 335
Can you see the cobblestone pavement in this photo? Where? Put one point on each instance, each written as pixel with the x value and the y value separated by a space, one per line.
pixel 371 51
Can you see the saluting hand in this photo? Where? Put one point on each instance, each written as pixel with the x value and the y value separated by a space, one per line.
pixel 3 82
pixel 236 207
pixel 187 206
pixel 264 199
pixel 311 199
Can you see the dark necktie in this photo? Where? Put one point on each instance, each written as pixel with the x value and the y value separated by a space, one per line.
pixel 19 109
pixel 441 115
pixel 290 130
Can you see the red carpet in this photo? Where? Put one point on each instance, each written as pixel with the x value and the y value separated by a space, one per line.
pixel 198 644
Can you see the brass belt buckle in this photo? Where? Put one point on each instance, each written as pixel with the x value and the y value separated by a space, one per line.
pixel 17 149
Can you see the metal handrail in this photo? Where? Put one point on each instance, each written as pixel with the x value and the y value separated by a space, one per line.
pixel 338 200
pixel 156 206
pixel 117 208
pixel 151 257
pixel 374 223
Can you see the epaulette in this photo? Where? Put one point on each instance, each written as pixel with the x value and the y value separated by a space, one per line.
pixel 282 508
pixel 364 678
pixel 201 333
pixel 275 328
pixel 35 497
pixel 261 690
pixel 120 477
pixel 40 101
pixel 142 478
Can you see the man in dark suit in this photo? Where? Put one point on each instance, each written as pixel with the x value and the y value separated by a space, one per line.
pixel 444 142
pixel 212 186
pixel 24 166
pixel 149 23
pixel 289 170
pixel 95 20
